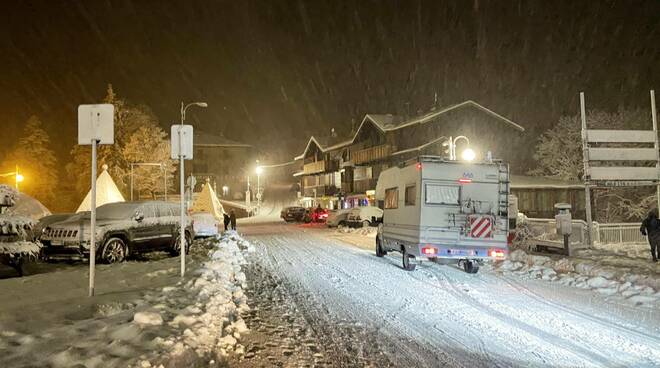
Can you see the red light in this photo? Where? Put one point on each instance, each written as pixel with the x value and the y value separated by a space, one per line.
pixel 429 250
pixel 419 166
pixel 465 180
pixel 496 253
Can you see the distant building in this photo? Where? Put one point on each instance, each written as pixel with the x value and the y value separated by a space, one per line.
pixel 343 172
pixel 538 195
pixel 221 161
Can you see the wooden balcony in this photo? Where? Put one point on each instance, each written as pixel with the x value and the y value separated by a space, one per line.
pixel 321 190
pixel 361 186
pixel 371 154
pixel 314 167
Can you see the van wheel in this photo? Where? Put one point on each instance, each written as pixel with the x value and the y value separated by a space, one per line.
pixel 379 249
pixel 366 223
pixel 114 251
pixel 407 265
pixel 470 266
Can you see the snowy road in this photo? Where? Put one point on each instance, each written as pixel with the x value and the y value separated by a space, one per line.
pixel 367 310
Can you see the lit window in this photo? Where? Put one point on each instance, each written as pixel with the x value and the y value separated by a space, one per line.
pixel 391 198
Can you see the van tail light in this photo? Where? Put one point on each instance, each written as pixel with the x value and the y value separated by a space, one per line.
pixel 465 180
pixel 496 253
pixel 429 251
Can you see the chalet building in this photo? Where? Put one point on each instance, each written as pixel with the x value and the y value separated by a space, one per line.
pixel 221 161
pixel 336 172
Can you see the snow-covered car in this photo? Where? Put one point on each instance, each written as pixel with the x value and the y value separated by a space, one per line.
pixel 123 229
pixel 205 224
pixel 46 221
pixel 317 214
pixel 337 217
pixel 363 216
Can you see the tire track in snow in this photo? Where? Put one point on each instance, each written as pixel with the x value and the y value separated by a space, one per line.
pixel 556 340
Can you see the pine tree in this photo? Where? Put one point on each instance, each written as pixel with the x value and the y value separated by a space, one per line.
pixel 36 161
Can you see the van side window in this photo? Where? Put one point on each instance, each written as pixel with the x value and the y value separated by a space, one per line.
pixel 411 193
pixel 442 194
pixel 391 198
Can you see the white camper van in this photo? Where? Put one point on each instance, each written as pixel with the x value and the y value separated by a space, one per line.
pixel 435 208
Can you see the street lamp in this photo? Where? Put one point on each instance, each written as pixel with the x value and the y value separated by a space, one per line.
pixel 18 177
pixel 468 154
pixel 259 170
pixel 182 230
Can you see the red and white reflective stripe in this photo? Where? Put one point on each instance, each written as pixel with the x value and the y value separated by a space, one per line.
pixel 481 227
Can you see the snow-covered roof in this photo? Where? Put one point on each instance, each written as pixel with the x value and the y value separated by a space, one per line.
pixel 541 182
pixel 106 192
pixel 388 122
pixel 203 139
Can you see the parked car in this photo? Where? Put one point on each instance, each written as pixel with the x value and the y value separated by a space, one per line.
pixel 123 229
pixel 317 214
pixel 363 216
pixel 293 214
pixel 337 217
pixel 46 221
pixel 205 224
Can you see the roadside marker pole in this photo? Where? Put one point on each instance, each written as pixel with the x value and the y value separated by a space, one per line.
pixel 182 233
pixel 92 227
pixel 654 116
pixel 586 174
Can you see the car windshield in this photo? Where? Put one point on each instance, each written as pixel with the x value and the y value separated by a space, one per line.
pixel 116 211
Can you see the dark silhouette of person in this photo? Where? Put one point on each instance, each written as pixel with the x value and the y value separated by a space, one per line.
pixel 225 218
pixel 651 228
pixel 232 219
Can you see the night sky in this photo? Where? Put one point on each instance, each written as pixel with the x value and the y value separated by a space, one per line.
pixel 274 72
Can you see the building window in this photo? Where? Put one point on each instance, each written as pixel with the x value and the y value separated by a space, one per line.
pixel 411 194
pixel 391 198
pixel 442 194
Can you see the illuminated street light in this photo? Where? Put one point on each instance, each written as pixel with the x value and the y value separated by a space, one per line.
pixel 20 178
pixel 468 154
pixel 259 170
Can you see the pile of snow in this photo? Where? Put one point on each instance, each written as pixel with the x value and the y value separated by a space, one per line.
pixel 638 282
pixel 26 206
pixel 7 195
pixel 364 231
pixel 16 235
pixel 206 311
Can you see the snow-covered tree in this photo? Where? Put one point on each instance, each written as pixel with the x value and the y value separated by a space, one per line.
pixel 36 161
pixel 559 155
pixel 149 144
pixel 128 120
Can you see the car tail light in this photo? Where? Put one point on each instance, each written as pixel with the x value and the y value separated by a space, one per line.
pixel 496 253
pixel 429 251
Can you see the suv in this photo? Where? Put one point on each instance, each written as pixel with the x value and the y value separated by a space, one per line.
pixel 123 229
pixel 362 216
pixel 294 213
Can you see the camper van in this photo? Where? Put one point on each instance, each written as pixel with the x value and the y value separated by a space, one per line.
pixel 435 208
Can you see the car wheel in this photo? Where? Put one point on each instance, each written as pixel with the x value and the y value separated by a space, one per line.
pixel 342 223
pixel 379 248
pixel 366 223
pixel 176 247
pixel 114 251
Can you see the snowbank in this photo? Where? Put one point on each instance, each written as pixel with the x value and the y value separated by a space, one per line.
pixel 634 280
pixel 364 231
pixel 206 311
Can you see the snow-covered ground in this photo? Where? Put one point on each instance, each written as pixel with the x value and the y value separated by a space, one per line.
pixel 143 315
pixel 368 311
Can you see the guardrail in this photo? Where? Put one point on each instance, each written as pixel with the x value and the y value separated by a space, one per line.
pixel 615 233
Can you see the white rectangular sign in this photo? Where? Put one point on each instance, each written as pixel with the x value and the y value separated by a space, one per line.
pixel 96 122
pixel 621 136
pixel 622 154
pixel 624 173
pixel 186 148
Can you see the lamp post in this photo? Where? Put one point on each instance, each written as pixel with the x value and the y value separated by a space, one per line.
pixel 259 170
pixel 18 177
pixel 182 230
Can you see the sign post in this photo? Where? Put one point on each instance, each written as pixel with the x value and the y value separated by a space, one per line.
pixel 607 152
pixel 182 149
pixel 95 126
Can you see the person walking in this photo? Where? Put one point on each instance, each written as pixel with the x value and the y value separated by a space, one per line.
pixel 651 228
pixel 225 218
pixel 232 219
